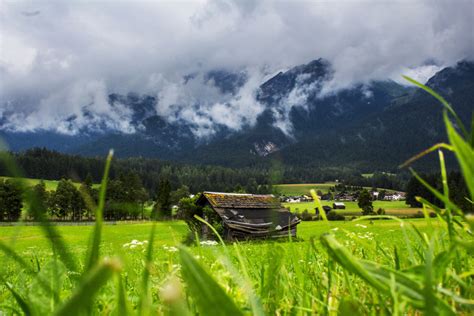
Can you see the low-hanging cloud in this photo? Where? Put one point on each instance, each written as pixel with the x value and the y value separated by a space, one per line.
pixel 60 60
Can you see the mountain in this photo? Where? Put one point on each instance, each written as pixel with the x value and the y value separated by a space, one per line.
pixel 404 127
pixel 368 127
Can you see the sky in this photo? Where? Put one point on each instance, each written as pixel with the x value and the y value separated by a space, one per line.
pixel 59 60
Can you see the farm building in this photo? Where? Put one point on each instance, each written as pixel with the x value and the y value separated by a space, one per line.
pixel 246 216
pixel 338 205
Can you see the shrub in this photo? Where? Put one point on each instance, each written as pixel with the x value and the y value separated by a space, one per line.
pixel 334 216
pixel 305 216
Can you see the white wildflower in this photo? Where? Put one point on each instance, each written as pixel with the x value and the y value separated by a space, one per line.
pixel 335 229
pixel 360 225
pixel 172 249
pixel 209 243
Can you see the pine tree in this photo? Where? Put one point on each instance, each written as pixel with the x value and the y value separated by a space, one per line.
pixel 162 208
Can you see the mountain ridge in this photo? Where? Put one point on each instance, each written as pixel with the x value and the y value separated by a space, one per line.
pixel 352 127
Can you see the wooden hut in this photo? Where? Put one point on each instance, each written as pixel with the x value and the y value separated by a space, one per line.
pixel 249 216
pixel 338 206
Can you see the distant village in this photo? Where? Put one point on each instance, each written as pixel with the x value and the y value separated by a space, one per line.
pixel 341 197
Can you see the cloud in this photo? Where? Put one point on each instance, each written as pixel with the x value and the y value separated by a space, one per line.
pixel 60 59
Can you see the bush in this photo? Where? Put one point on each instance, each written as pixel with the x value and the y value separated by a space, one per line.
pixel 305 216
pixel 334 216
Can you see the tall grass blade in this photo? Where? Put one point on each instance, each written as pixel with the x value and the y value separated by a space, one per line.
pixel 122 301
pixel 446 105
pixel 37 210
pixel 24 305
pixel 145 297
pixel 202 220
pixel 447 202
pixel 10 253
pixel 464 154
pixel 425 152
pixel 209 297
pixel 94 248
pixel 92 282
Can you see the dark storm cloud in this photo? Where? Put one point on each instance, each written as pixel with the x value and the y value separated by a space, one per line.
pixel 60 58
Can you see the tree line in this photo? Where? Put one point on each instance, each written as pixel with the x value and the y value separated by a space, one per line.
pixel 126 199
pixel 41 163
pixel 458 192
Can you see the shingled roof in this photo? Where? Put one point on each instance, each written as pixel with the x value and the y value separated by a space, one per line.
pixel 238 200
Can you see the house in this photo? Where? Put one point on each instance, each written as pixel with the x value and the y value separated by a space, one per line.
pixel 396 196
pixel 338 206
pixel 326 197
pixel 345 197
pixel 248 216
pixel 293 200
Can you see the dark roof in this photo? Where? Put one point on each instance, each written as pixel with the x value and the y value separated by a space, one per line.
pixel 237 200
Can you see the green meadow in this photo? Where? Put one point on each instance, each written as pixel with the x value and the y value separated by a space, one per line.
pixel 303 188
pixel 289 276
pixel 395 208
pixel 50 185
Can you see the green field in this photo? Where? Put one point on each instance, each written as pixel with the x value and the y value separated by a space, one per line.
pixel 287 276
pixel 303 188
pixel 398 208
pixel 50 185
pixel 27 239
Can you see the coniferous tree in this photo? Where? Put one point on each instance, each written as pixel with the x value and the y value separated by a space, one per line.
pixel 162 208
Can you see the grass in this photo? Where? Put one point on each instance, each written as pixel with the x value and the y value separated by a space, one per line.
pixel 50 185
pixel 26 238
pixel 300 280
pixel 370 175
pixel 398 208
pixel 303 188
